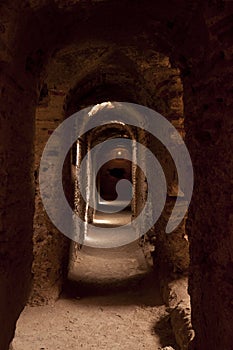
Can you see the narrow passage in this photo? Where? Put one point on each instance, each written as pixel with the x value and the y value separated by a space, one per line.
pixel 111 302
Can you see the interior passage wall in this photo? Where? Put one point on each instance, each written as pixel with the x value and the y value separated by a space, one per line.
pixel 210 140
pixel 50 247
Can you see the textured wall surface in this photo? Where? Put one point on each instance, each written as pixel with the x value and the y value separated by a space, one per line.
pixel 17 101
pixel 208 99
pixel 197 38
pixel 51 248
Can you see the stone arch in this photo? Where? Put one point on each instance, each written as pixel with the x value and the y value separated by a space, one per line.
pixel 200 45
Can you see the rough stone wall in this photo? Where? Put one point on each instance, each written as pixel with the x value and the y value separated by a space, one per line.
pixel 17 204
pixel 197 36
pixel 171 252
pixel 208 99
pixel 17 107
pixel 51 248
pixel 176 297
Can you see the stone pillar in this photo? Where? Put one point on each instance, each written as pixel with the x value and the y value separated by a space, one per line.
pixel 208 101
pixel 16 199
pixel 51 247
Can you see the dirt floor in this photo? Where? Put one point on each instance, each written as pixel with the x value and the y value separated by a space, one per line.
pixel 111 302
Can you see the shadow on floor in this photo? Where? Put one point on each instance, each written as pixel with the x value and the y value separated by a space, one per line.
pixel 141 289
pixel 163 329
